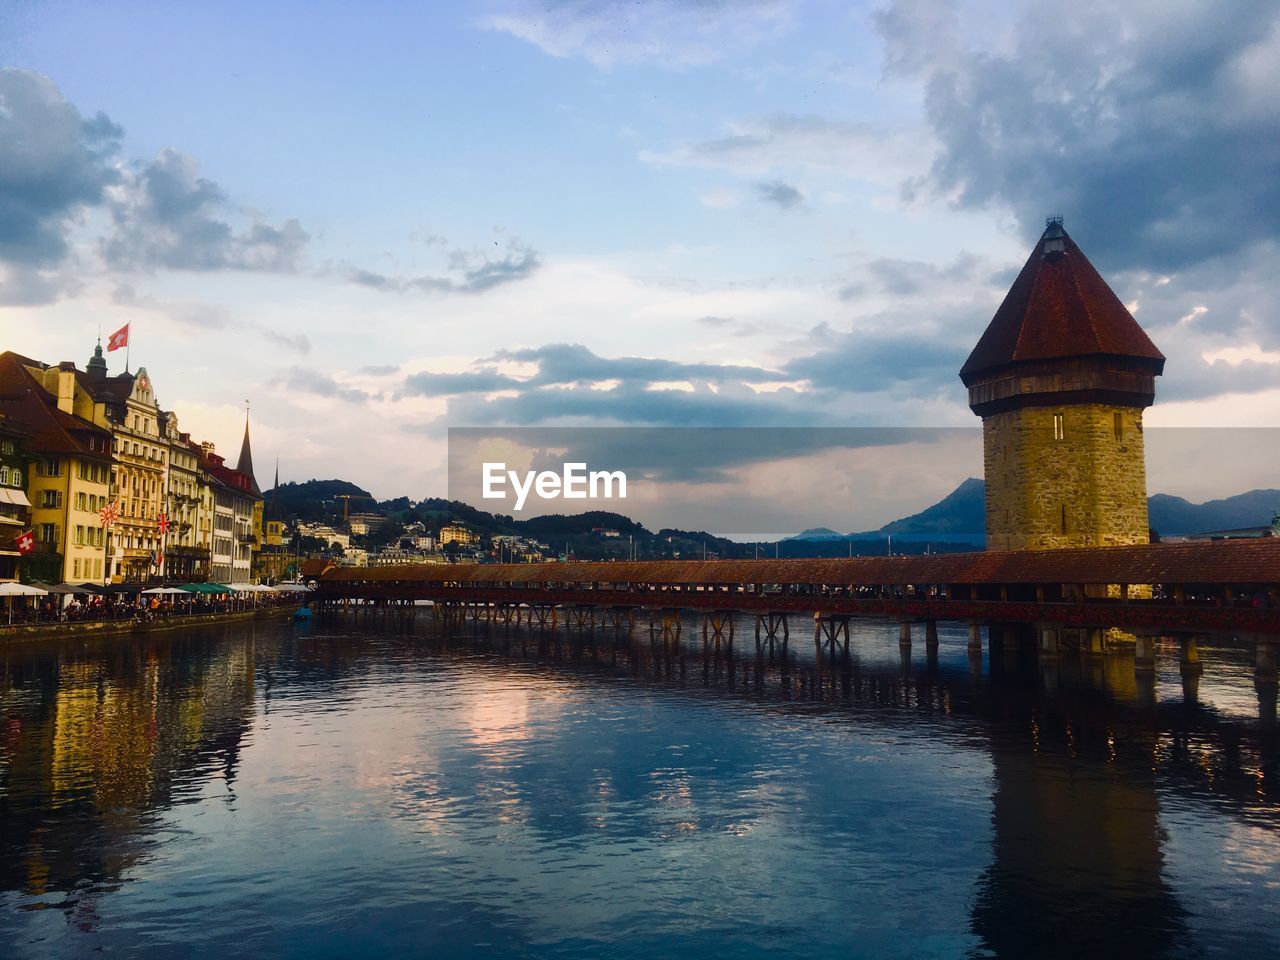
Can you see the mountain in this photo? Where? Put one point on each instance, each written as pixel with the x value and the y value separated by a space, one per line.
pixel 960 517
pixel 1174 516
pixel 818 533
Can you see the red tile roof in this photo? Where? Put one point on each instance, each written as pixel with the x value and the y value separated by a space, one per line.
pixel 25 402
pixel 1059 306
pixel 1220 561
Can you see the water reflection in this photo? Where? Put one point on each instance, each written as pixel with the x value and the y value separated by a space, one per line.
pixel 596 790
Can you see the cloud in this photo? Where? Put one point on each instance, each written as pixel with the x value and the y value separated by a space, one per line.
pixel 758 146
pixel 473 272
pixel 451 384
pixel 784 195
pixel 1157 125
pixel 204 317
pixel 318 383
pixel 675 34
pixel 166 215
pixel 53 164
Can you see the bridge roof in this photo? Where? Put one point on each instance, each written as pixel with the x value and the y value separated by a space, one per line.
pixel 1255 561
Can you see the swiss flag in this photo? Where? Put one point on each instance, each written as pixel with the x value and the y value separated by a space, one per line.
pixel 26 542
pixel 118 339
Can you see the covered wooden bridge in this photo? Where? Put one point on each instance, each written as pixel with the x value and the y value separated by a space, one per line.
pixel 1079 595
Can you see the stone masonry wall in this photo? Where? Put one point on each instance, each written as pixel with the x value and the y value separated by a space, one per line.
pixel 1085 488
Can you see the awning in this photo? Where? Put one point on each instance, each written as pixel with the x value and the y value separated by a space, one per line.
pixel 15 497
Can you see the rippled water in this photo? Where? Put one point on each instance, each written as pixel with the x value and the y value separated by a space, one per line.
pixel 358 790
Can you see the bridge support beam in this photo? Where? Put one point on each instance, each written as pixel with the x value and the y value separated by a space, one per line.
pixel 717 628
pixel 1265 668
pixel 1047 641
pixel 904 634
pixel 831 638
pixel 1144 652
pixel 776 632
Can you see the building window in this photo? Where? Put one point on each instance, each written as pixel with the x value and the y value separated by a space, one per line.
pixel 52 467
pixel 52 499
pixel 48 533
pixel 16 477
pixel 1118 423
pixel 1059 426
pixel 1064 518
pixel 4 475
pixel 81 501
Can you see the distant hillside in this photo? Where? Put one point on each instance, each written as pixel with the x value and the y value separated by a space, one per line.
pixel 961 516
pixel 1174 516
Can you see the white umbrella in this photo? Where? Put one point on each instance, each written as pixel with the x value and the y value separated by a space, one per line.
pixel 12 589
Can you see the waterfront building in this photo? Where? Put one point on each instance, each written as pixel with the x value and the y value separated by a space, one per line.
pixel 186 545
pixel 1060 379
pixel 126 403
pixel 15 507
pixel 274 560
pixel 68 481
pixel 235 500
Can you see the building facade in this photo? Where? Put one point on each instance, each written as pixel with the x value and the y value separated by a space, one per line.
pixel 1061 378
pixel 68 480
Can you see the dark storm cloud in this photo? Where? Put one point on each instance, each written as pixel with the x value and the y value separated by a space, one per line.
pixel 1153 126
pixel 857 362
pixel 632 403
pixel 780 194
pixel 673 454
pixel 171 217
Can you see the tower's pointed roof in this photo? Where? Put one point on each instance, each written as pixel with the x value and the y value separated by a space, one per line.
pixel 245 463
pixel 1059 307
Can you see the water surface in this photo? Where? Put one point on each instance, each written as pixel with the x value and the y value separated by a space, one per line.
pixel 370 789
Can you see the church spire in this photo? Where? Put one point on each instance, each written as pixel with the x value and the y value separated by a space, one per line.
pixel 245 463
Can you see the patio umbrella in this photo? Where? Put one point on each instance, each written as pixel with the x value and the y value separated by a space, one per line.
pixel 11 589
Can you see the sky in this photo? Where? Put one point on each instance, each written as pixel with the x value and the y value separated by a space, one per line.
pixel 378 221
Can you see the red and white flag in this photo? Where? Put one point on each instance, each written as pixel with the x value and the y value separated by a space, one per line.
pixel 108 514
pixel 118 339
pixel 26 542
pixel 162 524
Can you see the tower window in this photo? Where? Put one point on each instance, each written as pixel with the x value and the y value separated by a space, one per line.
pixel 1059 426
pixel 1064 518
pixel 1118 423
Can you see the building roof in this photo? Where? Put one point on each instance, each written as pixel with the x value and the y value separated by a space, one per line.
pixel 1190 562
pixel 245 464
pixel 25 403
pixel 1058 307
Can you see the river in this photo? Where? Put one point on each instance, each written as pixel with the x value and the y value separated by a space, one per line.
pixel 370 790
